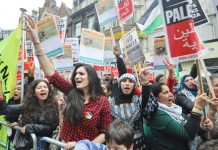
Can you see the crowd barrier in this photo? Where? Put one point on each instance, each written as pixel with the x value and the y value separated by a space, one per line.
pixel 50 141
pixel 18 128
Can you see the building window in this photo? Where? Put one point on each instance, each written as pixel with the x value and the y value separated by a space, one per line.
pixel 137 13
pixel 91 20
pixel 115 23
pixel 77 29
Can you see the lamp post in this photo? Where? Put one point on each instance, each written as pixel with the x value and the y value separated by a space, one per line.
pixel 23 11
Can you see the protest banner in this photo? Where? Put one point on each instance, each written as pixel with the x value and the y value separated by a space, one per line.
pixel 198 14
pixel 160 53
pixel 108 51
pixel 106 12
pixel 75 47
pixel 149 57
pixel 29 54
pixel 65 62
pixel 91 47
pixel 49 37
pixel 134 52
pixel 4 33
pixel 62 26
pixel 152 19
pixel 125 9
pixel 38 72
pixel 115 72
pixel 184 43
pixel 9 49
pixel 20 54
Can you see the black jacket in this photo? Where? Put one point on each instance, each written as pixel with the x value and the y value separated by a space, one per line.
pixel 40 127
pixel 184 102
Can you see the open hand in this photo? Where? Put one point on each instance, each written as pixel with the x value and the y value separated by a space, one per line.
pixel 170 67
pixel 69 145
pixel 32 29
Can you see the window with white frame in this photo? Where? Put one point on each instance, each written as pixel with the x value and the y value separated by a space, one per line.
pixel 77 28
pixel 91 20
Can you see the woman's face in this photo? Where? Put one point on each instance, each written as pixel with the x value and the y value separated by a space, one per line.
pixel 81 78
pixel 41 91
pixel 189 82
pixel 215 86
pixel 165 96
pixel 17 92
pixel 127 86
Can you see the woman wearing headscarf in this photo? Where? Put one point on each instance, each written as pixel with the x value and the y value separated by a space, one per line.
pixel 186 96
pixel 129 107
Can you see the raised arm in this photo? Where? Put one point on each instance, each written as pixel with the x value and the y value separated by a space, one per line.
pixel 170 79
pixel 120 63
pixel 144 81
pixel 45 63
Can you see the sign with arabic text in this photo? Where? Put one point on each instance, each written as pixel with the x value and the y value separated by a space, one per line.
pixel 125 9
pixel 184 43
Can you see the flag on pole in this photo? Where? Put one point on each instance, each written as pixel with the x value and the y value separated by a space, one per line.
pixel 9 48
pixel 151 19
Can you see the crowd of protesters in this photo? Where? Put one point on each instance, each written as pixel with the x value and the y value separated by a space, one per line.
pixel 123 113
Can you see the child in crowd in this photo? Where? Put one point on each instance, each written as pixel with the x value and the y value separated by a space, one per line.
pixel 119 136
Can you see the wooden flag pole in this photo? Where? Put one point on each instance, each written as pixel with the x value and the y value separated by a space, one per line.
pixel 201 88
pixel 199 76
pixel 207 78
pixel 23 11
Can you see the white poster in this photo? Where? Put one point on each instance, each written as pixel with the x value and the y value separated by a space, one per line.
pixel 108 51
pixel 106 12
pixel 49 37
pixel 75 47
pixel 92 47
pixel 62 26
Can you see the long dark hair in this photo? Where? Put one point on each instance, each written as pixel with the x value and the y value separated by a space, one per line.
pixel 75 100
pixel 32 110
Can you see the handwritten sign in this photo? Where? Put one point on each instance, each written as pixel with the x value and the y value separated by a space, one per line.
pixel 133 48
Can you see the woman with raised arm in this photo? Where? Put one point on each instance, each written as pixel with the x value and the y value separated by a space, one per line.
pixel 129 107
pixel 87 113
pixel 168 128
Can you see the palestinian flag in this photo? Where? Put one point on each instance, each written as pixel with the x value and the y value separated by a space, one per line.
pixel 151 19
